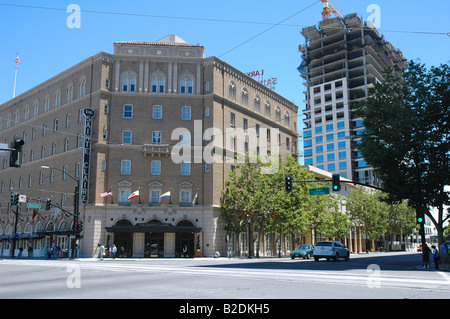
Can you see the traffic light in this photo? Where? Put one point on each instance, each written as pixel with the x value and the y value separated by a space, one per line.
pixel 14 199
pixel 48 204
pixel 79 226
pixel 15 157
pixel 420 218
pixel 336 182
pixel 288 183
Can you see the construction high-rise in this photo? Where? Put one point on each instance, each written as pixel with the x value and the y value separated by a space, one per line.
pixel 342 58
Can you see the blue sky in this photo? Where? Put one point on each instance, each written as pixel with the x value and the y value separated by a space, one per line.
pixel 47 46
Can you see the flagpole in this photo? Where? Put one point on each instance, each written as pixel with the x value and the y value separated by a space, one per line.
pixel 15 78
pixel 15 75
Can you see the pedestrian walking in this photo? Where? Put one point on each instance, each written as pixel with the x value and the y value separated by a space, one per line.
pixel 444 255
pixel 113 251
pixel 426 257
pixel 102 251
pixel 435 253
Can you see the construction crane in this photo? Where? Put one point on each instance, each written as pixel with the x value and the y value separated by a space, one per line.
pixel 328 9
pixel 326 14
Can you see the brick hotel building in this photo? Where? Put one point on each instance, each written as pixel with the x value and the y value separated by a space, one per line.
pixel 140 94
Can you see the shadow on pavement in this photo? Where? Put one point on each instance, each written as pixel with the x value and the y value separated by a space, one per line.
pixel 411 261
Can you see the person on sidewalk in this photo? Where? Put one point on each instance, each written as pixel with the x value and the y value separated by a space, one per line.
pixel 435 253
pixel 444 255
pixel 426 257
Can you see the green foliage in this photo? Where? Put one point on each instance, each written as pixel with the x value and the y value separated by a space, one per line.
pixel 407 135
pixel 262 197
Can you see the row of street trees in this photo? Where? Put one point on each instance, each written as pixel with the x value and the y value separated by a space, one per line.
pixel 260 198
pixel 407 137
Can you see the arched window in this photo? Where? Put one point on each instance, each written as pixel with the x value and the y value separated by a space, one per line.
pixel 232 91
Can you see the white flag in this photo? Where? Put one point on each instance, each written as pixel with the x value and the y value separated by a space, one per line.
pixel 133 195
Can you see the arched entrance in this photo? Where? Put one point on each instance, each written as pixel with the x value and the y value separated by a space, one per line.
pixel 124 240
pixel 184 240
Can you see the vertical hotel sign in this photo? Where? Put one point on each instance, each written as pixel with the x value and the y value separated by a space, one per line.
pixel 88 115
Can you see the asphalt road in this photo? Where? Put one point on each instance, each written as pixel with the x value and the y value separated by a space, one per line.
pixel 365 276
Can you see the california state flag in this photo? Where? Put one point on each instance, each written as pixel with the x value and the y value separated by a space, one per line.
pixel 133 195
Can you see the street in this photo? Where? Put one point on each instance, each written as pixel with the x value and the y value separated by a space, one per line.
pixel 366 276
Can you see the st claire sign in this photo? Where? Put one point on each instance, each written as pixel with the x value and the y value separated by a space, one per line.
pixel 88 115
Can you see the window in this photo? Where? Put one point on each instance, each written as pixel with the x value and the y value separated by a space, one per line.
pixel 127 111
pixel 54 148
pixel 157 112
pixel 185 197
pixel 257 104
pixel 232 119
pixel 125 167
pixel 232 91
pixel 82 88
pixel 125 84
pixel 190 86
pixel 127 137
pixel 66 144
pixel 43 152
pixel 186 86
pixel 245 125
pixel 267 109
pixel 124 197
pixel 47 105
pixel 185 112
pixel 154 85
pixel 245 97
pixel 183 86
pixel 278 114
pixel 207 87
pixel 162 83
pixel 65 169
pixel 69 94
pixel 55 125
pixel 41 178
pixel 68 116
pixel 132 84
pixel 156 137
pixel 156 168
pixel 155 197
pixel 185 169
pixel 78 169
pixel 186 139
pixel 287 119
pixel 58 99
pixel 44 129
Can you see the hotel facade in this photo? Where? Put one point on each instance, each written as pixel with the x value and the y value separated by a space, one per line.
pixel 166 120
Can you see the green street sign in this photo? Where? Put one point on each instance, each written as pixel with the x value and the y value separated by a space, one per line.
pixel 319 191
pixel 34 205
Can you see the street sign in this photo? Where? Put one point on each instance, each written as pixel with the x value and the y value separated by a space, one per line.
pixel 22 198
pixel 319 191
pixel 34 205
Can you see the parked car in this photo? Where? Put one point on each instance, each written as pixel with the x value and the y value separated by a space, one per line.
pixel 332 249
pixel 304 251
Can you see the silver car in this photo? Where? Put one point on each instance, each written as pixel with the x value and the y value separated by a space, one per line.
pixel 332 249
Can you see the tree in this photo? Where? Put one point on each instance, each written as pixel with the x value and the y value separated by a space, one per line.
pixel 407 136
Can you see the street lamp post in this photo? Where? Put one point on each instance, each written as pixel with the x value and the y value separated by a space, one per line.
pixel 76 207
